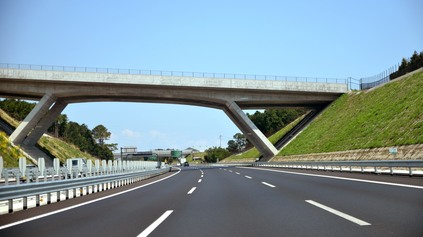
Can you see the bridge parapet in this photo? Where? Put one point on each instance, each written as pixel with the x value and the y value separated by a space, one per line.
pixel 175 78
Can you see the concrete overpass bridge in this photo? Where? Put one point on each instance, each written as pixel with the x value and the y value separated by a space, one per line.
pixel 56 87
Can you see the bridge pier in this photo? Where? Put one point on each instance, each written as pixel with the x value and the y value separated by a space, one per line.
pixel 38 120
pixel 45 122
pixel 249 129
pixel 32 119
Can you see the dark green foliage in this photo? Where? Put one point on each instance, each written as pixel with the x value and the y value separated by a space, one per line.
pixel 215 153
pixel 100 133
pixel 237 145
pixel 17 109
pixel 273 120
pixel 406 66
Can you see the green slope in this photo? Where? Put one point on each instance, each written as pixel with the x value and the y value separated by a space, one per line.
pixel 55 146
pixel 391 115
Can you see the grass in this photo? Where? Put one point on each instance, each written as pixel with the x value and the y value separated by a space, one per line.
pixel 391 115
pixel 61 149
pixel 8 152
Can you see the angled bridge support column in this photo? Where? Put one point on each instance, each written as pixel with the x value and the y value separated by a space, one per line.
pixel 45 122
pixel 249 129
pixel 38 120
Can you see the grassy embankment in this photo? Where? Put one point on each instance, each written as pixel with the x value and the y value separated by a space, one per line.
pixel 391 115
pixel 55 146
pixel 253 153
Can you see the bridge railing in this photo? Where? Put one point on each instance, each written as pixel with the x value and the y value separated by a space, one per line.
pixel 346 81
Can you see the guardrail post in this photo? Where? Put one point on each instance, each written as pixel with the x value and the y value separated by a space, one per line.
pixel 56 167
pixel 104 167
pixel 410 171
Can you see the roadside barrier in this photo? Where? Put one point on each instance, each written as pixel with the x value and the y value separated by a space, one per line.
pixel 67 181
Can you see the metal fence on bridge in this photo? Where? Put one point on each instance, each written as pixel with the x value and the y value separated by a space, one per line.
pixel 174 73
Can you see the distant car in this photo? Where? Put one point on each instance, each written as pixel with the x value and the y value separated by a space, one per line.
pixel 186 163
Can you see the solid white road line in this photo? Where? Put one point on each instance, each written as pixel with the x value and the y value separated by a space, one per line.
pixel 155 224
pixel 338 213
pixel 199 180
pixel 83 204
pixel 192 190
pixel 267 184
pixel 341 178
pixel 248 177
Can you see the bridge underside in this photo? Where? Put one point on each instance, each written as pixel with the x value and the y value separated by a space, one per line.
pixel 54 96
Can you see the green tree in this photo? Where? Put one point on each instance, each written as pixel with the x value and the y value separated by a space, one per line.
pixel 215 153
pixel 58 128
pixel 100 134
pixel 17 109
pixel 232 146
pixel 273 120
pixel 238 144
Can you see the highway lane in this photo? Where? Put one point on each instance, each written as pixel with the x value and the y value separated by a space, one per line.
pixel 391 210
pixel 241 202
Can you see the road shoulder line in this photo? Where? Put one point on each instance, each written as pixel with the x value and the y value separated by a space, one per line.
pixel 155 224
pixel 341 178
pixel 338 213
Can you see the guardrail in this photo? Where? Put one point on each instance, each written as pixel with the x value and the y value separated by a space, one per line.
pixel 173 73
pixel 371 166
pixel 24 182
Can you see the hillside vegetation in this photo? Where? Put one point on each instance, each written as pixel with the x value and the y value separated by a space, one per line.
pixel 390 115
pixel 8 152
pixel 56 147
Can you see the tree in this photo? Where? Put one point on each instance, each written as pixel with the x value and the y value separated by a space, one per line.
pixel 18 109
pixel 232 146
pixel 272 120
pixel 215 153
pixel 237 145
pixel 58 128
pixel 100 134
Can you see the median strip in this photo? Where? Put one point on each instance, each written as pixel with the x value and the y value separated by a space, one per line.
pixel 338 213
pixel 155 224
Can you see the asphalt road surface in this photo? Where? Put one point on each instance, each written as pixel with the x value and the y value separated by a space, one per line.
pixel 238 202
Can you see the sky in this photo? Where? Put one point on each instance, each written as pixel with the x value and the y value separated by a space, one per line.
pixel 327 38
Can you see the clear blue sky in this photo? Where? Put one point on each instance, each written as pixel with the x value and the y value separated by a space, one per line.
pixel 327 38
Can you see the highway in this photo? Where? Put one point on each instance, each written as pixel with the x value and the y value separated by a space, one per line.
pixel 236 202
